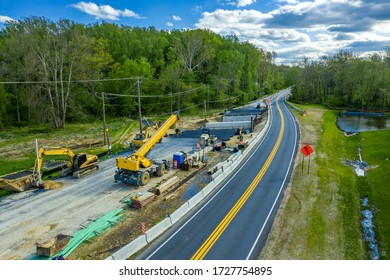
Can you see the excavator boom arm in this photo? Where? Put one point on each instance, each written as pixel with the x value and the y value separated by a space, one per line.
pixel 57 152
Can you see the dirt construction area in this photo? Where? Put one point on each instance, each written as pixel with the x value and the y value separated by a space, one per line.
pixel 37 215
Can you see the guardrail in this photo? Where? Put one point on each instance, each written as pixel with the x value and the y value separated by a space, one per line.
pixel 294 107
pixel 224 170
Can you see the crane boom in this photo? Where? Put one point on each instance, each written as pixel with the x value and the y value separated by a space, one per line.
pixel 129 167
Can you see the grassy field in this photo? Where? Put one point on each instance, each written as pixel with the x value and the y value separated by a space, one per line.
pixel 375 148
pixel 320 217
pixel 17 145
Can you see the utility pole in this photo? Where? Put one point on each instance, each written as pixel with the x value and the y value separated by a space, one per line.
pixel 104 120
pixel 38 168
pixel 208 97
pixel 205 109
pixel 171 103
pixel 139 106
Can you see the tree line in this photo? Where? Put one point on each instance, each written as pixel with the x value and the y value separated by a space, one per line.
pixel 346 81
pixel 57 72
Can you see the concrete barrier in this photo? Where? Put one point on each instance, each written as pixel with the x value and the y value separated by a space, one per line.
pixel 233 157
pixel 216 174
pixel 226 164
pixel 208 189
pixel 218 177
pixel 179 213
pixel 294 107
pixel 158 229
pixel 227 170
pixel 234 164
pixel 239 118
pixel 195 200
pixel 130 249
pixel 228 125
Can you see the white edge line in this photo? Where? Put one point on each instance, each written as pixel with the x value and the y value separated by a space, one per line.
pixel 193 216
pixel 280 190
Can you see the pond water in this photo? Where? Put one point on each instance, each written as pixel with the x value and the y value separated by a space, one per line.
pixel 351 122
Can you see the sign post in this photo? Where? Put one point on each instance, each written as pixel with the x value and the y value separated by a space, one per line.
pixel 306 151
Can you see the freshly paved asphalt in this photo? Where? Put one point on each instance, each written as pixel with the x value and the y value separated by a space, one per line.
pixel 233 224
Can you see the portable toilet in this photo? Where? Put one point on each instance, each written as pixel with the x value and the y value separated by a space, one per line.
pixel 178 159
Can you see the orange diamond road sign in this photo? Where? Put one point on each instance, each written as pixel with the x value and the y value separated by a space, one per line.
pixel 306 150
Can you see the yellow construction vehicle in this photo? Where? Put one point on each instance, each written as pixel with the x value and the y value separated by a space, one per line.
pixel 137 169
pixel 78 164
pixel 141 138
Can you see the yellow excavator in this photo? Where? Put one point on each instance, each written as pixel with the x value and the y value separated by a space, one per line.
pixel 141 138
pixel 78 164
pixel 137 169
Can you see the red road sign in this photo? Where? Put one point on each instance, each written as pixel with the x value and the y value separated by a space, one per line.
pixel 143 227
pixel 306 150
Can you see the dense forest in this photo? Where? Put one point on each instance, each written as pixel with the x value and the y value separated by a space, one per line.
pixel 346 81
pixel 60 72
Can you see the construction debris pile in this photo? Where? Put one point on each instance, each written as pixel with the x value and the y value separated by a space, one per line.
pixel 142 199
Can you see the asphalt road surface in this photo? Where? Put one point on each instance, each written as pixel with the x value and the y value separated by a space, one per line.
pixel 235 221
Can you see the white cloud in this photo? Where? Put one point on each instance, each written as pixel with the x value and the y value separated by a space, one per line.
pixel 290 2
pixel 169 24
pixel 176 18
pixel 104 11
pixel 324 37
pixel 4 19
pixel 238 3
pixel 297 29
pixel 243 3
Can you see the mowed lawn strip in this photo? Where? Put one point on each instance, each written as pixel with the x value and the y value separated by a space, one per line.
pixel 320 215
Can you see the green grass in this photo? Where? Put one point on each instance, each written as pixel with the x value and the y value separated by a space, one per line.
pixel 320 218
pixel 24 138
pixel 375 185
pixel 309 106
pixel 337 183
pixel 9 165
pixel 3 193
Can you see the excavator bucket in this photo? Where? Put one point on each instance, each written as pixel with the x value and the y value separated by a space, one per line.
pixel 48 185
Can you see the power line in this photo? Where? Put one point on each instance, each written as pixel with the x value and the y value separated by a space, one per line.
pixel 65 82
pixel 89 80
pixel 155 96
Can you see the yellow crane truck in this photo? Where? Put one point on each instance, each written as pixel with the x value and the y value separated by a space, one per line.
pixel 137 168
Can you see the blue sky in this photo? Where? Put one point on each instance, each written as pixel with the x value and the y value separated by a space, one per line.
pixel 294 29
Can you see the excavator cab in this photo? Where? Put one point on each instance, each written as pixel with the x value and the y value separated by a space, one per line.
pixel 78 160
pixel 139 136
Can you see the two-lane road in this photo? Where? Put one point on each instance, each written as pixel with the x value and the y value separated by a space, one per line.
pixel 235 221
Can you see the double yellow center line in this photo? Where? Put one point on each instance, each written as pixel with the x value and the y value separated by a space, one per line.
pixel 209 243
